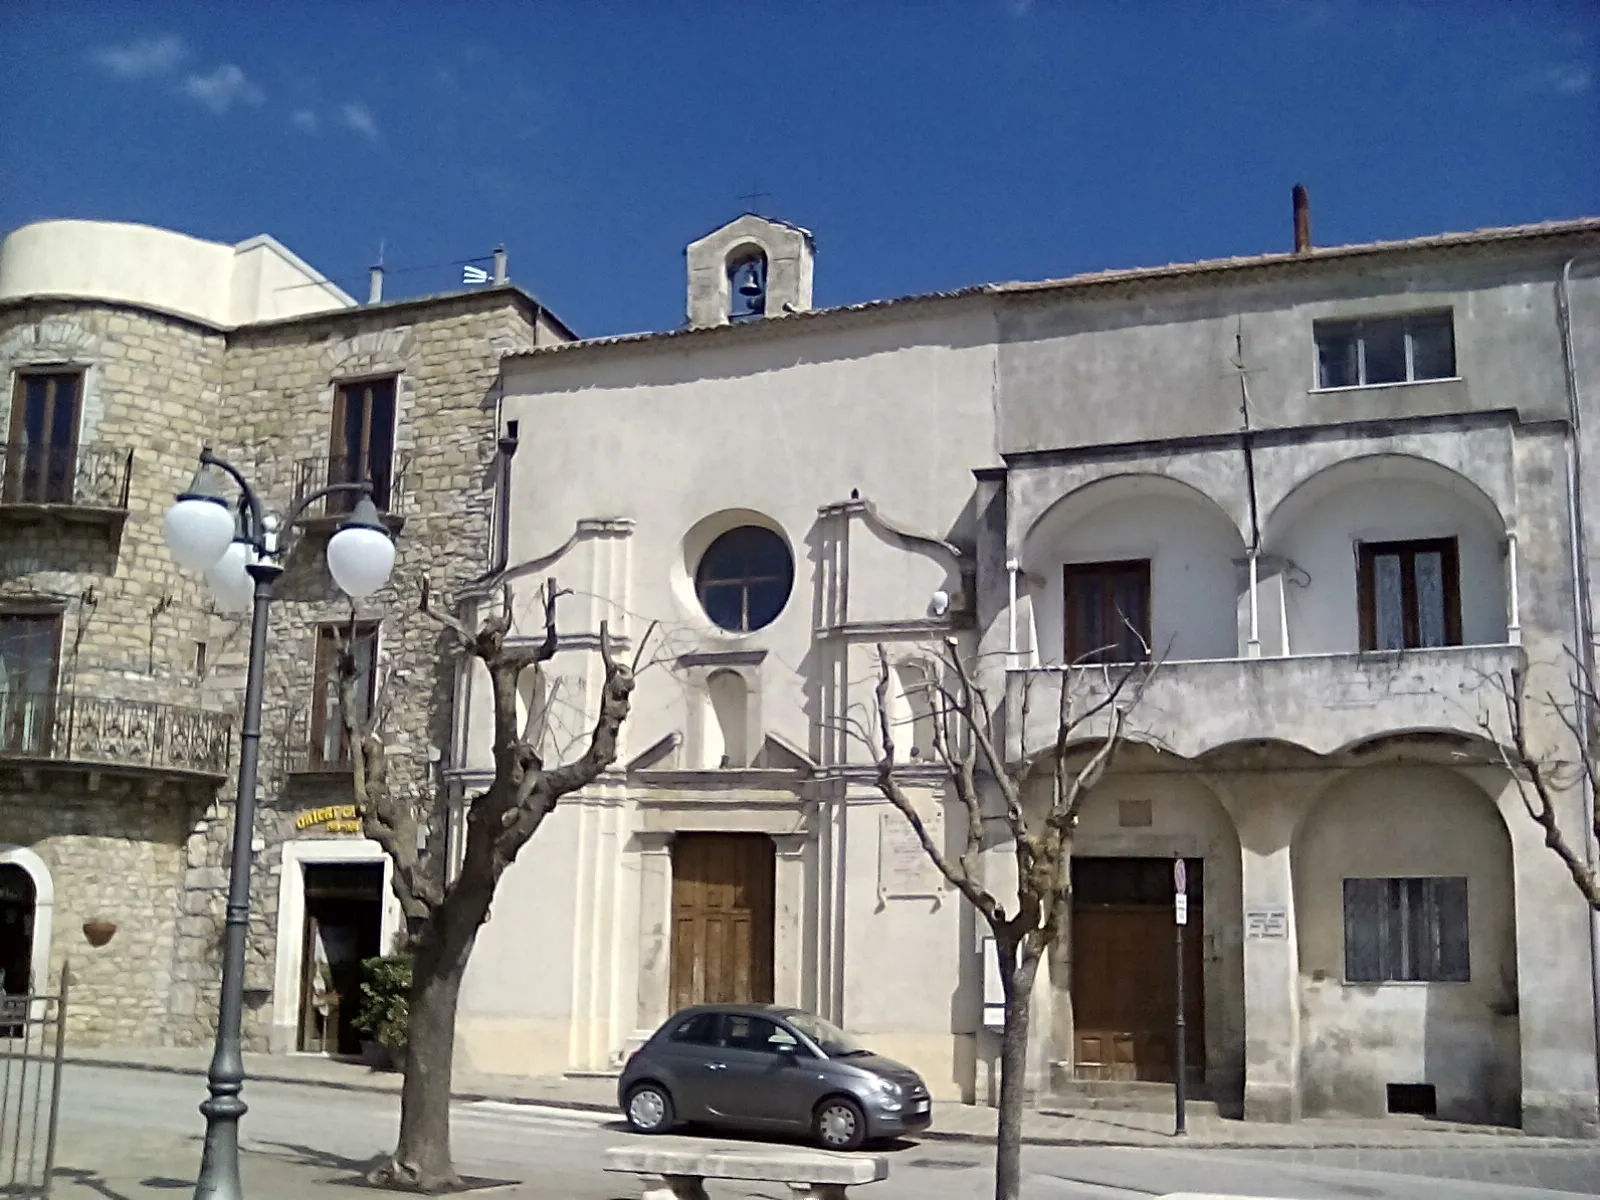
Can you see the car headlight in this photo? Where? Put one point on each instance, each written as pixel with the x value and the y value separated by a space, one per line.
pixel 889 1091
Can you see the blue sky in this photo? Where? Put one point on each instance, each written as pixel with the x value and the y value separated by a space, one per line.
pixel 927 144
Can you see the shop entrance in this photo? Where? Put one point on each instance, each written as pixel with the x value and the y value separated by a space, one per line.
pixel 343 925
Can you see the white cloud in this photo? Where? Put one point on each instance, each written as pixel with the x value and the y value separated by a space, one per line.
pixel 304 120
pixel 222 88
pixel 1569 79
pixel 358 117
pixel 143 58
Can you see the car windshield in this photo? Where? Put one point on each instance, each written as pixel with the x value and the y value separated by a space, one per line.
pixel 833 1041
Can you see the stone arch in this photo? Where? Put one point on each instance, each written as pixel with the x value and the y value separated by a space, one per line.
pixel 1193 546
pixel 1411 822
pixel 44 898
pixel 746 260
pixel 1146 809
pixel 1312 535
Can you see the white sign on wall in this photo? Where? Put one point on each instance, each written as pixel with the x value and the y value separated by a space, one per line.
pixel 1266 924
pixel 904 869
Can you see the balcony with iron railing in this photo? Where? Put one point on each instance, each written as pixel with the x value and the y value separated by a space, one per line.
pixel 389 488
pixel 317 748
pixel 80 483
pixel 92 731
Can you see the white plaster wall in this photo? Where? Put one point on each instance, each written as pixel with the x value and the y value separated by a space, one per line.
pixel 1321 542
pixel 779 426
pixel 1461 1037
pixel 516 999
pixel 1191 545
pixel 160 269
pixel 775 426
pixel 903 961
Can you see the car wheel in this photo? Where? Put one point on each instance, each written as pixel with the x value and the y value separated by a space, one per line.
pixel 840 1124
pixel 649 1109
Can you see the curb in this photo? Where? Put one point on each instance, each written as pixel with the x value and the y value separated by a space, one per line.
pixel 1501 1141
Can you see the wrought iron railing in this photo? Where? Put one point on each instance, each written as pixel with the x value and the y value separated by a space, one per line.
pixel 63 727
pixel 315 747
pixel 388 483
pixel 73 476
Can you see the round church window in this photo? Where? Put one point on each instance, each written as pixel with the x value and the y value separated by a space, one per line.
pixel 744 578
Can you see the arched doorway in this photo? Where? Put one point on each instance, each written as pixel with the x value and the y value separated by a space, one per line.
pixel 27 900
pixel 16 929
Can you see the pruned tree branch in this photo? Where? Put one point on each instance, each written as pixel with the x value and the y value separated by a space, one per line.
pixel 1533 774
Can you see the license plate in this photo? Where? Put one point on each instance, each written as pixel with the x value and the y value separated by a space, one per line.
pixel 919 1106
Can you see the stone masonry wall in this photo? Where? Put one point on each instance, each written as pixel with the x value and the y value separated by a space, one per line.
pixel 279 381
pixel 115 853
pixel 130 624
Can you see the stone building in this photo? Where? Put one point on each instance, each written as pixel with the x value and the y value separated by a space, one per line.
pixel 125 349
pixel 1335 489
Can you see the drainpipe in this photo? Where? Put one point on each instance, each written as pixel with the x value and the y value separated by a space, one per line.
pixel 1514 604
pixel 1584 649
pixel 1012 567
pixel 1253 649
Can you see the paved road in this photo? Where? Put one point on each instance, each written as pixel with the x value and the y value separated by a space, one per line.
pixel 107 1113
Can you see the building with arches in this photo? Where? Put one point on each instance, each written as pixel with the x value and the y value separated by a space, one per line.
pixel 1335 493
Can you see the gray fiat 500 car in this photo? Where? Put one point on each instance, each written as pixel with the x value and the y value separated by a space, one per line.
pixel 761 1067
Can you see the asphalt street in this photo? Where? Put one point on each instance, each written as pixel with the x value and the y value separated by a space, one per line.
pixel 558 1152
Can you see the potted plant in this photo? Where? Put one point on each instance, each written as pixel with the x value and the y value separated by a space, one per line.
pixel 385 1009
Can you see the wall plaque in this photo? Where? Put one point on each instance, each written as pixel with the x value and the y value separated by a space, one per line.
pixel 1266 924
pixel 904 869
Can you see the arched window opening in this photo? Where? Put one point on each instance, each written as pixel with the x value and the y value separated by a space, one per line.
pixel 747 286
pixel 744 578
pixel 913 712
pixel 727 741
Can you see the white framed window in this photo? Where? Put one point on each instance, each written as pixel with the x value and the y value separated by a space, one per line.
pixel 1381 350
pixel 1406 930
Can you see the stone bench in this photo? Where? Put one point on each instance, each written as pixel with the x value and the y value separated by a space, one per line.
pixel 680 1174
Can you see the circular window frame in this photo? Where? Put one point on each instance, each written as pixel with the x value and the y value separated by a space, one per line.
pixel 685 563
pixel 749 584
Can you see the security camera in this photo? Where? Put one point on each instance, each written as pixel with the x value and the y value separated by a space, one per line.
pixel 940 603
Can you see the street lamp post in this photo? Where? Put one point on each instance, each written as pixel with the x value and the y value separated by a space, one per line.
pixel 238 551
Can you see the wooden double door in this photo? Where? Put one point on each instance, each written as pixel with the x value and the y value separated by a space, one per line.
pixel 722 917
pixel 1125 969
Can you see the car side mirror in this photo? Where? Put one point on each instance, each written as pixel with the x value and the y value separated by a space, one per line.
pixel 790 1049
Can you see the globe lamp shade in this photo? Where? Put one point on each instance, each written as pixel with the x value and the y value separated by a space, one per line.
pixel 360 558
pixel 234 589
pixel 198 530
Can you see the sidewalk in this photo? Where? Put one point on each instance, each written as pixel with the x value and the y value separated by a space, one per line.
pixel 951 1121
pixel 145 1169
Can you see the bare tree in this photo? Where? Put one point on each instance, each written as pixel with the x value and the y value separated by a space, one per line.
pixel 443 914
pixel 967 746
pixel 1542 776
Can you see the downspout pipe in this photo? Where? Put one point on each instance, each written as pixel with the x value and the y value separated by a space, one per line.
pixel 1583 626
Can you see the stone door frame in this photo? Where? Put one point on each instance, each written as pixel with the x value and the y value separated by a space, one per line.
pixel 289 966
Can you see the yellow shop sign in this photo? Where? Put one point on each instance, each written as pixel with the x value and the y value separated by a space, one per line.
pixel 335 818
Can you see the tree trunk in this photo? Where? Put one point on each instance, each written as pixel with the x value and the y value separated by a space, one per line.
pixel 1017 976
pixel 421 1160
